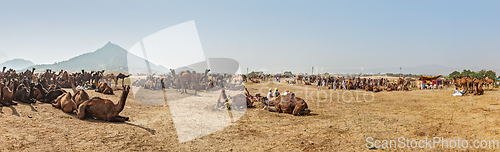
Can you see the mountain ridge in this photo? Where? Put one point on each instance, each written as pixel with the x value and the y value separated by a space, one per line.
pixel 110 57
pixel 17 64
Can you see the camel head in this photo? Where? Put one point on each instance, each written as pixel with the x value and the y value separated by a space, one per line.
pixel 126 89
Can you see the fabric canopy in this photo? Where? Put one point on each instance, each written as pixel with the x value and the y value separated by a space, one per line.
pixel 423 77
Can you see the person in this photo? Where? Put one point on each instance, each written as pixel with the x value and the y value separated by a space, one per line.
pixel 457 93
pixel 319 83
pixel 462 91
pixel 286 92
pixel 270 94
pixel 276 92
pixel 343 85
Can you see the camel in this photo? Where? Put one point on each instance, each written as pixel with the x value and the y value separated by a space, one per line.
pixel 199 76
pixel 369 88
pixel 104 109
pixel 65 103
pixel 289 104
pixel 400 83
pixel 121 76
pixel 80 95
pixel 240 101
pixel 9 94
pixel 186 78
pixel 255 81
pixel 244 77
pixel 478 87
pixel 299 78
pixel 139 82
pixel 37 95
pixel 104 88
pixel 86 76
pixel 488 82
pixel 48 97
pixel 23 94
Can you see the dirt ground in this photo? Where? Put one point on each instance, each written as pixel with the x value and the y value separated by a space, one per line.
pixel 340 121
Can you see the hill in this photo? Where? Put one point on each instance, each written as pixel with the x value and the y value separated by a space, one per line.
pixel 110 57
pixel 17 64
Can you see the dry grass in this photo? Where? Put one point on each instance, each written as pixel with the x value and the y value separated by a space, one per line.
pixel 335 125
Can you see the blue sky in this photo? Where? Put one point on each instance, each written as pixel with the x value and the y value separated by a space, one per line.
pixel 293 35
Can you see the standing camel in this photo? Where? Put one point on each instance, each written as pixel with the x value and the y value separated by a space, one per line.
pixel 121 76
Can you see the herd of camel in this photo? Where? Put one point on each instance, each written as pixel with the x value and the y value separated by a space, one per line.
pixel 190 80
pixel 470 85
pixel 282 104
pixel 340 82
pixel 473 85
pixel 28 87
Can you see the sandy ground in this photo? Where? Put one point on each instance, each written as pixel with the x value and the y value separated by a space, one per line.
pixel 338 122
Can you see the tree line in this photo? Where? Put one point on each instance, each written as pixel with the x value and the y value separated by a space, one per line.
pixel 468 73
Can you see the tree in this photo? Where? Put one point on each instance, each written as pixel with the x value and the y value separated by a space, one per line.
pixel 288 73
pixel 491 74
pixel 473 74
pixel 255 73
pixel 465 73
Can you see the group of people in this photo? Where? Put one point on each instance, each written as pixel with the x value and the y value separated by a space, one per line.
pixel 459 92
pixel 430 84
pixel 272 94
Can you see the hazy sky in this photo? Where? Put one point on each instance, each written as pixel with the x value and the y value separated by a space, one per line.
pixel 275 35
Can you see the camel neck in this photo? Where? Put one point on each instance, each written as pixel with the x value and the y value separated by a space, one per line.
pixel 123 98
pixel 42 90
pixel 73 87
pixel 31 91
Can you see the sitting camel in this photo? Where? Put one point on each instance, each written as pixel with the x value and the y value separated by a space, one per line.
pixel 9 94
pixel 104 88
pixel 48 97
pixel 65 103
pixel 240 101
pixel 24 94
pixel 104 109
pixel 80 94
pixel 289 104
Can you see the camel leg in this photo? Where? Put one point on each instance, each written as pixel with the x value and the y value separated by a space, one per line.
pixel 126 118
pixel 298 109
pixel 57 103
pixel 273 109
pixel 116 119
